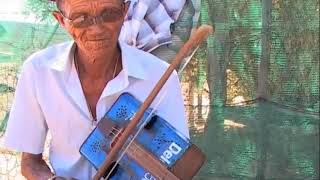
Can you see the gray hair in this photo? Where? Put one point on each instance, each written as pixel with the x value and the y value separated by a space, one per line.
pixel 60 3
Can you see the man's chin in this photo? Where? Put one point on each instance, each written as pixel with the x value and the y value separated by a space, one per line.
pixel 98 52
pixel 99 48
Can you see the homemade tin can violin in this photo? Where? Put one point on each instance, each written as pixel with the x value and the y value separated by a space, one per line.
pixel 153 148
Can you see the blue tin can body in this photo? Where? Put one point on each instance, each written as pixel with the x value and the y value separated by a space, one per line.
pixel 157 136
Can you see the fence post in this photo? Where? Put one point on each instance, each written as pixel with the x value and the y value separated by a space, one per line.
pixel 266 49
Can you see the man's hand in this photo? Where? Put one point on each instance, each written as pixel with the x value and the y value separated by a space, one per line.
pixel 33 167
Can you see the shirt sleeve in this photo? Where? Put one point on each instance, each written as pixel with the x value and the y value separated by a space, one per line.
pixel 26 130
pixel 172 107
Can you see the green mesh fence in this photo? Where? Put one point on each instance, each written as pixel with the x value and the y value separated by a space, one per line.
pixel 284 43
pixel 251 91
pixel 294 58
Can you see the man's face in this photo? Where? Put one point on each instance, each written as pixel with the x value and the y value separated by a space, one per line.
pixel 94 25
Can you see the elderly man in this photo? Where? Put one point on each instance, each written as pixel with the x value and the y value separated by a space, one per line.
pixel 64 90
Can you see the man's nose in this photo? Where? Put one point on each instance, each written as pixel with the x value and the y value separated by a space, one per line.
pixel 98 26
pixel 97 20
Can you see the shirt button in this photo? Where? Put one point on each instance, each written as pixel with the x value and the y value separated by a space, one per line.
pixel 93 124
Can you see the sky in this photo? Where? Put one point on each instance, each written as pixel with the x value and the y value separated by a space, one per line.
pixel 12 11
pixel 11 6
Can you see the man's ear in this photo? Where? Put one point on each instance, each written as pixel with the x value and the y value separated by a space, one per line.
pixel 57 15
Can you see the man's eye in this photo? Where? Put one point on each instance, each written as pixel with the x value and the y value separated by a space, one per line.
pixel 111 14
pixel 79 19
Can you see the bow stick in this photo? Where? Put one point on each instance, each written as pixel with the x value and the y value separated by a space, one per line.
pixel 200 35
pixel 131 142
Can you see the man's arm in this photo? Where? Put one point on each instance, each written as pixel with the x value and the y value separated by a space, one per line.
pixel 33 167
pixel 26 121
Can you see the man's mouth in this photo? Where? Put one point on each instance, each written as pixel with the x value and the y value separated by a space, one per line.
pixel 99 39
pixel 98 43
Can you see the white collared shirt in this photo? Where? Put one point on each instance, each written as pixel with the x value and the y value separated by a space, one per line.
pixel 49 98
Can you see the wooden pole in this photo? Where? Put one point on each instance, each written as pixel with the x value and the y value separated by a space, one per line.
pixel 266 50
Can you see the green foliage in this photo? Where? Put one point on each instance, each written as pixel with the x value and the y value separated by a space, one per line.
pixel 4 88
pixel 3 123
pixel 42 10
pixel 20 39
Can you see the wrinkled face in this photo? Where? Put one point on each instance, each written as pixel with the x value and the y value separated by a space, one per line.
pixel 94 25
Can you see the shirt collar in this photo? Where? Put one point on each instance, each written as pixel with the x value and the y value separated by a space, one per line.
pixel 63 56
pixel 132 60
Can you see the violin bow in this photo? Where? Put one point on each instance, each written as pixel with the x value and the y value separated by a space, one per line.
pixel 194 41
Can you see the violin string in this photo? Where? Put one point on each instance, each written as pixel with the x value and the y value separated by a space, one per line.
pixel 136 134
pixel 115 134
pixel 187 60
pixel 130 145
